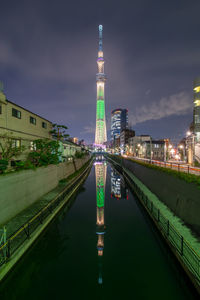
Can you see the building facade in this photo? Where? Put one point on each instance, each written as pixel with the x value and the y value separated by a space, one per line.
pixel 134 145
pixel 22 125
pixel 195 140
pixel 124 137
pixel 119 122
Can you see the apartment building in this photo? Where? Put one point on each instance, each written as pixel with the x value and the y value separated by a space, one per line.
pixel 21 124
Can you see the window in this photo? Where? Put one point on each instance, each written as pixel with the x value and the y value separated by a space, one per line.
pixel 156 146
pixel 0 109
pixel 32 146
pixel 16 113
pixel 16 143
pixel 33 120
pixel 44 125
pixel 197 119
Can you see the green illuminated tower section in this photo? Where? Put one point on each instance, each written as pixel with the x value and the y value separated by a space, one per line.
pixel 100 134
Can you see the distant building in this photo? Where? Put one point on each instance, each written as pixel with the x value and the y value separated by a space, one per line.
pixel 119 122
pixel 75 140
pixel 144 147
pixel 134 145
pixel 21 124
pixel 124 137
pixel 195 141
pixel 68 150
pixel 154 149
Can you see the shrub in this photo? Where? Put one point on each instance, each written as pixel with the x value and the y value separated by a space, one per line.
pixel 79 154
pixel 24 165
pixel 46 153
pixel 3 165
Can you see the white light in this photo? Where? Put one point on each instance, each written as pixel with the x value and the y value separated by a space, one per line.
pixel 188 133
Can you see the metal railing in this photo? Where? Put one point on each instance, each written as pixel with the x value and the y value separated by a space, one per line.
pixel 182 247
pixel 170 165
pixel 25 231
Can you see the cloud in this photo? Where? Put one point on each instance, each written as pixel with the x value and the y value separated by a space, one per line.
pixel 176 104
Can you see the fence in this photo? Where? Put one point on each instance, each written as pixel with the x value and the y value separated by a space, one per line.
pixel 24 232
pixel 174 166
pixel 188 255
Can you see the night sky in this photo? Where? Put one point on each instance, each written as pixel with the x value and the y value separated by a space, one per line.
pixel 48 52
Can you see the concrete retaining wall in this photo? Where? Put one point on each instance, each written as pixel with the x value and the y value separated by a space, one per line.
pixel 19 190
pixel 183 198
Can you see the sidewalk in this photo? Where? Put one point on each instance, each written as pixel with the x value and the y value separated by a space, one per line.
pixel 170 165
pixel 15 223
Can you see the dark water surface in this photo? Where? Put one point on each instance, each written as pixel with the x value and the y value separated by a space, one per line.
pixel 121 258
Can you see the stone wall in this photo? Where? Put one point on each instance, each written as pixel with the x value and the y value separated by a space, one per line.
pixel 19 190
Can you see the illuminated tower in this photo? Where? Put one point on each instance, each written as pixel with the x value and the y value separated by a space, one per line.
pixel 100 134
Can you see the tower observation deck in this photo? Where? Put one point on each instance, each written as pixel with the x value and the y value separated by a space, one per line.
pixel 100 133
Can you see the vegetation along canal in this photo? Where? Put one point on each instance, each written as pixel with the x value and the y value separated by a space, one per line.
pixel 101 246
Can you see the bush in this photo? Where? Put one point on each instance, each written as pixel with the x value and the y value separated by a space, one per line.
pixel 3 165
pixel 46 153
pixel 79 154
pixel 24 165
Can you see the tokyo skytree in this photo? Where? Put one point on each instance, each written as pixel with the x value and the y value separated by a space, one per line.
pixel 100 134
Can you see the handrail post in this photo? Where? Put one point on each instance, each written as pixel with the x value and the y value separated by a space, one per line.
pixel 8 249
pixel 181 246
pixel 168 227
pixel 158 215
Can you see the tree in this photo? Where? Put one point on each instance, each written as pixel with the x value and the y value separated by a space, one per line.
pixel 8 148
pixel 47 152
pixel 59 132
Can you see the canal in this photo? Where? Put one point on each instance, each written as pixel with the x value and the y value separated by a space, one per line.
pixel 101 246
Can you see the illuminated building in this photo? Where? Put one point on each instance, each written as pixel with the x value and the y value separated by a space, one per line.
pixel 125 135
pixel 195 140
pixel 119 122
pixel 100 172
pixel 75 140
pixel 100 133
pixel 196 111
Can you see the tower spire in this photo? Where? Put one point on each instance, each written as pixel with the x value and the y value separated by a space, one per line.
pixel 100 37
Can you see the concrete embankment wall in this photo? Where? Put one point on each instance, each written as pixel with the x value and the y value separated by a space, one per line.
pixel 19 190
pixel 183 198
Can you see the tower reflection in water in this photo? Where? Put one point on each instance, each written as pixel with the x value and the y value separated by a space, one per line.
pixel 100 172
pixel 118 187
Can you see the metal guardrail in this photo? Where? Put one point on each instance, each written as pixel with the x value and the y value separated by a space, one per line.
pixel 188 255
pixel 25 231
pixel 177 167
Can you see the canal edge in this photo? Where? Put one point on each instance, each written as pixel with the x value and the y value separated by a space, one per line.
pixel 14 259
pixel 193 279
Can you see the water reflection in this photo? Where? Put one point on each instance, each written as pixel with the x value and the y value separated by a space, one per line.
pixel 100 172
pixel 118 187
